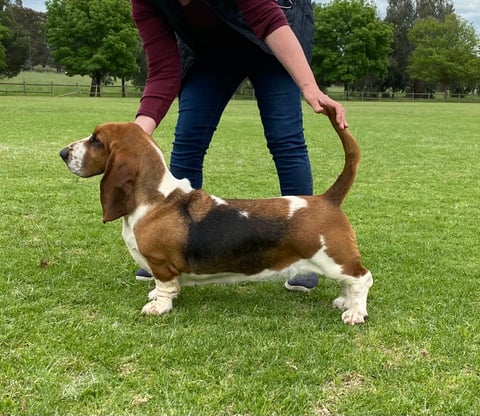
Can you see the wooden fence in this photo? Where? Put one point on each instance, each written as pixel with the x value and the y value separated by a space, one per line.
pixel 61 90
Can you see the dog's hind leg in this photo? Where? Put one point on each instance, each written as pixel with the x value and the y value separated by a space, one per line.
pixel 161 298
pixel 353 298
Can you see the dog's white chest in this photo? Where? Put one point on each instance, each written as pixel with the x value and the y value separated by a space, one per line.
pixel 128 235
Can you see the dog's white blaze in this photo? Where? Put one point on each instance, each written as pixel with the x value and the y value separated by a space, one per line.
pixel 128 235
pixel 218 201
pixel 169 183
pixel 244 214
pixel 77 154
pixel 296 203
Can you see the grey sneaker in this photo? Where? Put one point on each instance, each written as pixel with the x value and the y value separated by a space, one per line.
pixel 143 275
pixel 302 282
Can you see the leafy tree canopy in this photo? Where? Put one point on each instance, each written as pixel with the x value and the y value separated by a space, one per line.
pixel 351 42
pixel 4 35
pixel 93 37
pixel 446 52
pixel 402 14
pixel 32 23
pixel 14 42
pixel 438 9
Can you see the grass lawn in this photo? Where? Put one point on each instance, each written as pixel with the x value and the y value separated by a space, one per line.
pixel 73 342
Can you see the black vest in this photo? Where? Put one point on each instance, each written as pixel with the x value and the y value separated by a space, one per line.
pixel 299 14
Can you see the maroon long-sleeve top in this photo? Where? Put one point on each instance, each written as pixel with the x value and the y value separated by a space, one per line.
pixel 160 45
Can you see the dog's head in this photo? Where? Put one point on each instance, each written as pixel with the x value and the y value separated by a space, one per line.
pixel 110 150
pixel 91 155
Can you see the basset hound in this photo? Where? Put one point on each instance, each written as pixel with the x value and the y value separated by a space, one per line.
pixel 183 236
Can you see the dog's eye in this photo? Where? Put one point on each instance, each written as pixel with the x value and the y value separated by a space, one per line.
pixel 94 140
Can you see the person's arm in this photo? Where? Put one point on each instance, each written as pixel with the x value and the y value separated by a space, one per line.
pixel 286 47
pixel 269 23
pixel 163 60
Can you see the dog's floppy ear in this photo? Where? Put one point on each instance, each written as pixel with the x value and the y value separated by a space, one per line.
pixel 117 186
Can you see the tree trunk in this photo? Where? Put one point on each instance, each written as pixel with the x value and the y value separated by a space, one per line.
pixel 124 88
pixel 95 86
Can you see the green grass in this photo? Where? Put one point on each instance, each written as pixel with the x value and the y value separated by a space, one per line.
pixel 73 342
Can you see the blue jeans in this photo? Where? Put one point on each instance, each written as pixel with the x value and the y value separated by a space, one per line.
pixel 204 95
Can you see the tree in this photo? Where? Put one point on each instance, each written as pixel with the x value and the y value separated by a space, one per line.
pixel 351 42
pixel 32 23
pixel 445 52
pixel 93 37
pixel 438 9
pixel 13 42
pixel 140 78
pixel 401 14
pixel 4 34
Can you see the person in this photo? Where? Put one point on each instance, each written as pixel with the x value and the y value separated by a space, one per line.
pixel 201 51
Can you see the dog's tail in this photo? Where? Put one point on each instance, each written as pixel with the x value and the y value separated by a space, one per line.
pixel 339 190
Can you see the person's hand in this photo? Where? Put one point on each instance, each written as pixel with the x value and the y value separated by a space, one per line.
pixel 319 101
pixel 326 101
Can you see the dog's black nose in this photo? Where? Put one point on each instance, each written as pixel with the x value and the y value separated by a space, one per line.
pixel 64 154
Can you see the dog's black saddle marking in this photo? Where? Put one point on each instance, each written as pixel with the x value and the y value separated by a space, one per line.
pixel 227 240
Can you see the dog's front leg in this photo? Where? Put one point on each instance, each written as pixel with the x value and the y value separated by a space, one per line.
pixel 161 298
pixel 353 298
pixel 343 301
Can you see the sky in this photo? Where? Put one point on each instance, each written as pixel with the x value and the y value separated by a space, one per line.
pixel 468 9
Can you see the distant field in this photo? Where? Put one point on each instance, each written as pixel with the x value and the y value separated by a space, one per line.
pixel 73 342
pixel 34 77
pixel 33 83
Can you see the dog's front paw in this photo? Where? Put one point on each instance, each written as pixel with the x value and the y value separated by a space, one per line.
pixel 352 317
pixel 152 295
pixel 158 306
pixel 341 303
